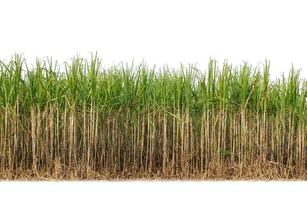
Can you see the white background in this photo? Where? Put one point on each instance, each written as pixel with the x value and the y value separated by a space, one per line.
pixel 153 190
pixel 160 32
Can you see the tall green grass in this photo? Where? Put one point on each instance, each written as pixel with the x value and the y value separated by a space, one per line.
pixel 140 120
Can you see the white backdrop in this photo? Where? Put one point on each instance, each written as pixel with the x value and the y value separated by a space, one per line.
pixel 153 190
pixel 161 32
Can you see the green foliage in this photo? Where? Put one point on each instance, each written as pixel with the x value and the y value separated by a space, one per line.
pixel 86 82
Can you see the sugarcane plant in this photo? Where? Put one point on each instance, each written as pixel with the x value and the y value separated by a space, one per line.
pixel 83 120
